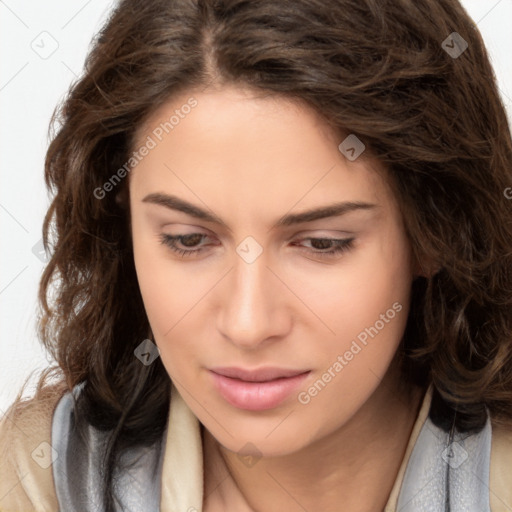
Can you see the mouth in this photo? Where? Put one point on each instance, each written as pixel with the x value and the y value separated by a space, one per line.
pixel 256 390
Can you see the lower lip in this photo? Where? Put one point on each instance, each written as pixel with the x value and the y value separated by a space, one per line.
pixel 256 396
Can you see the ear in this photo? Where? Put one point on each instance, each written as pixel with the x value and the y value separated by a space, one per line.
pixel 425 268
pixel 122 198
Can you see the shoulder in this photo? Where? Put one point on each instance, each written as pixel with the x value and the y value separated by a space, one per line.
pixel 500 479
pixel 26 454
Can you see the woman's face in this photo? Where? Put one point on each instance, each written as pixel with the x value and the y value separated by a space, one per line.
pixel 234 174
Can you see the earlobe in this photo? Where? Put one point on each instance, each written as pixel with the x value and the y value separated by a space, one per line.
pixel 425 268
pixel 122 198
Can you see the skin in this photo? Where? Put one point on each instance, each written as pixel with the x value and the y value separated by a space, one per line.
pixel 251 159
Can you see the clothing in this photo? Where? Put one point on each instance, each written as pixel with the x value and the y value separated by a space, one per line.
pixel 26 485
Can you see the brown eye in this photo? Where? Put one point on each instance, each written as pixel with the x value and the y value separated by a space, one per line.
pixel 190 240
pixel 336 246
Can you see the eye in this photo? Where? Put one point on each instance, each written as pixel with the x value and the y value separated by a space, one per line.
pixel 186 240
pixel 326 247
pixel 335 246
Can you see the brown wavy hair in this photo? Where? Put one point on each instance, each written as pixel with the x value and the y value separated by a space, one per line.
pixel 374 68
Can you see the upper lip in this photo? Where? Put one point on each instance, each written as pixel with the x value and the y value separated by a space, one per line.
pixel 258 375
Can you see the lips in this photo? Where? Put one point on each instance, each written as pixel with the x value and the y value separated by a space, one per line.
pixel 257 390
pixel 259 375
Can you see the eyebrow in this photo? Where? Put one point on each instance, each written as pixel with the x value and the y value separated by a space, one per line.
pixel 332 210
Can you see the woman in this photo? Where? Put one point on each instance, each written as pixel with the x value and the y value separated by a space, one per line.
pixel 282 267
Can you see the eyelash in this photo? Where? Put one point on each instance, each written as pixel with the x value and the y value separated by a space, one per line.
pixel 341 245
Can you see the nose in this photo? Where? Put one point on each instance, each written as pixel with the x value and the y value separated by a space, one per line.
pixel 253 309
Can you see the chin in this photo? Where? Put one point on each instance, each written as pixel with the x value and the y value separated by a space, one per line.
pixel 263 442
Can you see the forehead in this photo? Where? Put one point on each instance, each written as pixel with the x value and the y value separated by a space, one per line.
pixel 225 100
pixel 235 145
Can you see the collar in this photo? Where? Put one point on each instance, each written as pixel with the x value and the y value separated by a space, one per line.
pixel 391 505
pixel 182 472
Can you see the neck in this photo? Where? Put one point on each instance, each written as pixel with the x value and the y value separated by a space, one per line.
pixel 356 465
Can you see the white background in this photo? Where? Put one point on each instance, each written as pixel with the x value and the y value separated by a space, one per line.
pixel 30 88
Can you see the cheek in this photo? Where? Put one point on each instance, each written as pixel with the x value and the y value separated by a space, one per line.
pixel 368 317
pixel 368 286
pixel 165 305
pixel 167 291
pixel 355 360
pixel 174 299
